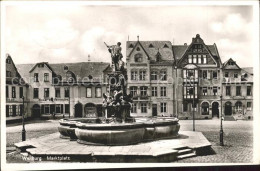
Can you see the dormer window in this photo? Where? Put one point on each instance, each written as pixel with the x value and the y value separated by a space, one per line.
pixel 90 77
pixel 8 61
pixel 131 45
pixel 137 49
pixel 165 46
pixel 66 67
pixel 40 65
pixel 150 46
pixel 138 57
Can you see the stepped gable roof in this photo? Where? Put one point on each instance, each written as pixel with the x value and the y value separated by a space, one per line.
pixel 81 70
pixel 151 48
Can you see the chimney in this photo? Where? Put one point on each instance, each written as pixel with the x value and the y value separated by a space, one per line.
pixel 88 58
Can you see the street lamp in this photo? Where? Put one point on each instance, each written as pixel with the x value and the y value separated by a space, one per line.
pixel 23 130
pixel 221 127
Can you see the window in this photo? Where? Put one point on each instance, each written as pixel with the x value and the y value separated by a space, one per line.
pixel 226 74
pixel 10 110
pixel 143 108
pixel 46 92
pixel 194 59
pixel 20 109
pixel 142 75
pixel 98 92
pixel 46 109
pixel 248 106
pixel 204 74
pixel 67 108
pixel 163 91
pixel 21 92
pixel 58 108
pixel 215 74
pixel 150 46
pixel 205 108
pixel 249 91
pixel 238 91
pixel 235 75
pixel 89 92
pixel 199 59
pixel 134 108
pixel 8 61
pixel 66 67
pixel 7 91
pixel 154 75
pixel 143 91
pixel 57 92
pixel 215 91
pixel 228 92
pixel 133 91
pixel 138 57
pixel 165 46
pixel 133 75
pixel 190 92
pixel 13 92
pixel 36 77
pixel 137 49
pixel 238 107
pixel 131 46
pixel 204 59
pixel 154 91
pixel 46 77
pixel 67 92
pixel 163 75
pixel 185 107
pixel 8 74
pixel 204 91
pixel 163 107
pixel 14 110
pixel 35 93
pixel 189 59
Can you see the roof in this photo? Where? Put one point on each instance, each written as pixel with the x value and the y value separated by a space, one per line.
pixel 226 66
pixel 248 70
pixel 179 51
pixel 166 52
pixel 81 69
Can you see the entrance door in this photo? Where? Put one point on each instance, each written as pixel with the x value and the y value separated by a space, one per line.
pixel 78 110
pixel 36 111
pixel 228 108
pixel 215 110
pixel 154 110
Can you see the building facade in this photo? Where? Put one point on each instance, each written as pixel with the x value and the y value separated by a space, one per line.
pixel 163 79
pixel 150 77
pixel 16 90
pixel 237 90
pixel 69 89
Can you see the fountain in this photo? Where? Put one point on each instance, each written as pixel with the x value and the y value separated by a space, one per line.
pixel 117 127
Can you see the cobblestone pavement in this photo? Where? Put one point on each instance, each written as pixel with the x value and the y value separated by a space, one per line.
pixel 238 139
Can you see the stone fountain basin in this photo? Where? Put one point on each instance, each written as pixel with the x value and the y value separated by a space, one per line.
pixel 67 126
pixel 126 133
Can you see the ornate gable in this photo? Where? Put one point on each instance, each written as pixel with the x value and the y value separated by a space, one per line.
pixel 197 53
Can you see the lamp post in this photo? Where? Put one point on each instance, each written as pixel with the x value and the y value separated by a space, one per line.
pixel 193 101
pixel 23 130
pixel 221 127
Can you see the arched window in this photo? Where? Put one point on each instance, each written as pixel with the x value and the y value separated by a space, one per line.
pixel 138 57
pixel 66 67
pixel 131 45
pixel 205 108
pixel 137 49
pixel 238 107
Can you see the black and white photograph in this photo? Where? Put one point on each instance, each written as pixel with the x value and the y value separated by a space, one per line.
pixel 100 84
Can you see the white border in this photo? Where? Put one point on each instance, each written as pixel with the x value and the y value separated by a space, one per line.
pixel 51 166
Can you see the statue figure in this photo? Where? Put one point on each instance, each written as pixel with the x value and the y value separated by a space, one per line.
pixel 116 55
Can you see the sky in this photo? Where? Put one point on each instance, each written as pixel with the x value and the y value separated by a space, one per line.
pixel 62 33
